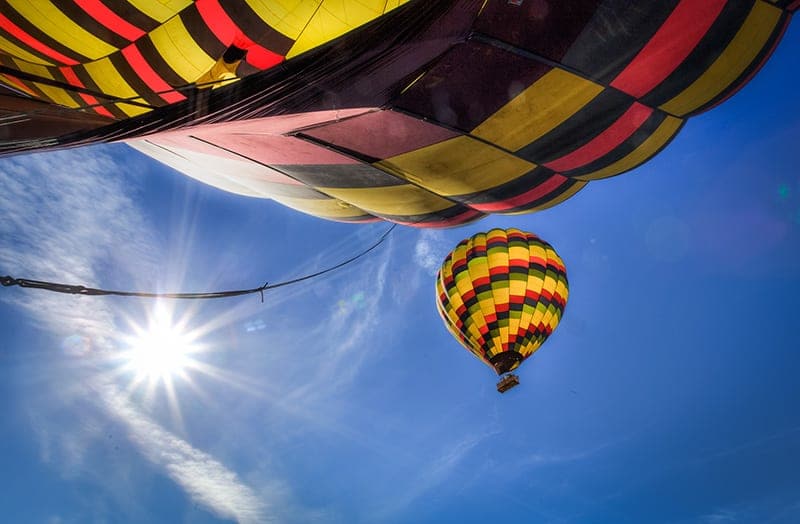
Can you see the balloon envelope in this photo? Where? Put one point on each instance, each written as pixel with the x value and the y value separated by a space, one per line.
pixel 430 113
pixel 501 294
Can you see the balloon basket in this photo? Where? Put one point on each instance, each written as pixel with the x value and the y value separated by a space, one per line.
pixel 507 382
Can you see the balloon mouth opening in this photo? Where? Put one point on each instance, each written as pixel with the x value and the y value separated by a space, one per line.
pixel 506 361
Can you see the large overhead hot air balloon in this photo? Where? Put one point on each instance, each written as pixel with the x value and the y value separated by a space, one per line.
pixel 423 112
pixel 501 294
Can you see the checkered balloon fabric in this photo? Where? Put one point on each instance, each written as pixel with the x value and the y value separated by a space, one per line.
pixel 501 294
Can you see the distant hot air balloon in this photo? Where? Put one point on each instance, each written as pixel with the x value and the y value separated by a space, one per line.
pixel 501 294
pixel 430 113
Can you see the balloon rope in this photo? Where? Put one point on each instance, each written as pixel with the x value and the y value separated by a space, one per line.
pixel 7 281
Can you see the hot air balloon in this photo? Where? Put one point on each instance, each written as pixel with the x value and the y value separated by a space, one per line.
pixel 430 113
pixel 501 294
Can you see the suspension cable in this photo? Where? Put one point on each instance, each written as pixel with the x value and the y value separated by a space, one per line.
pixel 71 289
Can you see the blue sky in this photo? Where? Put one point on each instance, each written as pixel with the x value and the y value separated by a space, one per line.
pixel 668 394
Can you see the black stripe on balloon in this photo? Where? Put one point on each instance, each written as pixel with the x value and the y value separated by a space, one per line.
pixel 501 277
pixel 201 33
pixel 552 195
pixel 344 176
pixel 42 37
pixel 580 128
pixel 710 47
pixel 296 191
pixel 625 148
pixel 366 217
pixel 34 88
pixel 510 189
pixel 256 29
pixel 618 30
pixel 104 101
pixel 133 16
pixel 92 26
pixel 135 81
pixel 153 56
pixel 58 76
pixel 751 70
pixel 352 153
pixel 454 215
pixel 19 43
pixel 7 62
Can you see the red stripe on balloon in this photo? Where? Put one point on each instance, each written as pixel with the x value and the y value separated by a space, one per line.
pixel 551 184
pixel 606 141
pixel 227 32
pixel 16 81
pixel 110 20
pixel 24 37
pixel 669 47
pixel 149 75
pixel 73 79
pixel 466 216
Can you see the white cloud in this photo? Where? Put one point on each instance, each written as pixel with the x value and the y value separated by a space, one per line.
pixel 67 217
pixel 355 315
pixel 437 472
pixel 205 479
pixel 430 250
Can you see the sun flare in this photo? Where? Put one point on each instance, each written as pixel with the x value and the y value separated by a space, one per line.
pixel 161 351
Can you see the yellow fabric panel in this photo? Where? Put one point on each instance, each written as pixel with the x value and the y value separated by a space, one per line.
pixel 334 18
pixel 471 333
pixel 288 17
pixel 516 287
pixel 220 74
pixel 646 149
pixel 9 48
pixel 537 110
pixel 180 51
pixel 51 20
pixel 488 300
pixel 550 285
pixel 454 301
pixel 405 200
pixel 111 83
pixel 160 10
pixel 497 258
pixel 550 203
pixel 740 53
pixel 535 284
pixel 57 95
pixel 393 4
pixel 32 69
pixel 463 286
pixel 459 166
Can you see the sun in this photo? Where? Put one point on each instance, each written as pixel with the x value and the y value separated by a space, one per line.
pixel 161 351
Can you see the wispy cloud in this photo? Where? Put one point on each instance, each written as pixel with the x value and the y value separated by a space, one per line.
pixel 436 472
pixel 339 338
pixel 205 479
pixel 430 250
pixel 68 217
